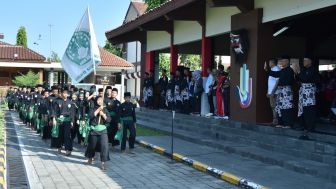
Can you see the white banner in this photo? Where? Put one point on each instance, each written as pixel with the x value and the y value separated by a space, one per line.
pixel 82 51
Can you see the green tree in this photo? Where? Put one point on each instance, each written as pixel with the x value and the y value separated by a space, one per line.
pixel 30 79
pixel 21 37
pixel 191 61
pixel 112 48
pixel 153 4
pixel 54 57
pixel 164 62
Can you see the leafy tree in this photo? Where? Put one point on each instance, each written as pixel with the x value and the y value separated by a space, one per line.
pixel 153 3
pixel 112 48
pixel 164 62
pixel 21 37
pixel 54 57
pixel 191 61
pixel 30 79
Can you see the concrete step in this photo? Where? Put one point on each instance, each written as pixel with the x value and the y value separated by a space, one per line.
pixel 209 122
pixel 273 134
pixel 290 146
pixel 299 165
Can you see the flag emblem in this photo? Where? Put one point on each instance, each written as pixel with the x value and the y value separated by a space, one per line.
pixel 78 49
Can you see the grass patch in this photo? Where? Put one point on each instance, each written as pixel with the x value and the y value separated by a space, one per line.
pixel 2 122
pixel 143 131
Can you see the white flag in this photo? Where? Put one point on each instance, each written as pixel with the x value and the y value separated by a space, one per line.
pixel 82 51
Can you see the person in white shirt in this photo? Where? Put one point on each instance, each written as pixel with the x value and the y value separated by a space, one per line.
pixel 208 91
pixel 272 88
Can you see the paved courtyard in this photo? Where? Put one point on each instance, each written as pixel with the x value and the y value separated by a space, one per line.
pixel 144 169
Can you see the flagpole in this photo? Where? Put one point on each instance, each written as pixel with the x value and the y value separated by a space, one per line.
pixel 94 63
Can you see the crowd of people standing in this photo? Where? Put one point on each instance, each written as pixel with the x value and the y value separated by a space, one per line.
pixel 183 90
pixel 282 78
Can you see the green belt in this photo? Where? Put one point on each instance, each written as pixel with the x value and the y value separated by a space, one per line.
pixel 112 113
pixel 64 119
pixel 128 118
pixel 98 128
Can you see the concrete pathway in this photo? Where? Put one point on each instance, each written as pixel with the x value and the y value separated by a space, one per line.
pixel 265 174
pixel 46 168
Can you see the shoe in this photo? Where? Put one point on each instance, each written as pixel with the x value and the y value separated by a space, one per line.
pixel 103 167
pixel 226 117
pixel 89 162
pixel 67 153
pixel 59 150
pixel 122 151
pixel 304 137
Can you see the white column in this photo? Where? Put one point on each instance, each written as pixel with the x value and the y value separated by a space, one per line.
pixel 122 84
pixel 51 78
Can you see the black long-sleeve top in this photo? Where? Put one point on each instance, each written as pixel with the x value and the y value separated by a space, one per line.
pixel 63 107
pixel 163 82
pixel 43 106
pixel 113 106
pixel 94 119
pixel 83 108
pixel 308 75
pixel 286 76
pixel 74 110
pixel 127 109
pixel 51 104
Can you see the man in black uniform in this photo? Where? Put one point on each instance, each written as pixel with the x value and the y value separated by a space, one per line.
pixel 181 91
pixel 74 112
pixel 113 105
pixel 61 132
pixel 308 77
pixel 37 98
pixel 10 98
pixel 284 93
pixel 99 120
pixel 163 82
pixel 128 122
pixel 82 114
pixel 170 101
pixel 148 90
pixel 43 115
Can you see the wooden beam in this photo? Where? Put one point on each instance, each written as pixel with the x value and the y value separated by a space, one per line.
pixel 242 5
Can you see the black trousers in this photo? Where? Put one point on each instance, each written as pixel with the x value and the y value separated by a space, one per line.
pixel 98 140
pixel 111 132
pixel 287 117
pixel 178 106
pixel 64 137
pixel 162 102
pixel 75 133
pixel 46 133
pixel 211 104
pixel 128 126
pixel 197 103
pixel 308 118
pixel 10 105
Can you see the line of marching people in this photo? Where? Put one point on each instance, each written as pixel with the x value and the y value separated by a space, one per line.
pixel 65 114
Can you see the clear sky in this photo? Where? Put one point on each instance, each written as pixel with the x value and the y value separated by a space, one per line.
pixel 64 15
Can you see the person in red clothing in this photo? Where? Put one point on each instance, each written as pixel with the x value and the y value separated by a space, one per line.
pixel 219 93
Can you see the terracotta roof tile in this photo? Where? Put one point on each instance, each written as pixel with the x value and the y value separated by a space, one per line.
pixel 110 60
pixel 24 54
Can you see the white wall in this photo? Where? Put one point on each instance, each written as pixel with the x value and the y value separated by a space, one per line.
pixel 157 40
pixel 276 9
pixel 131 52
pixel 131 14
pixel 186 31
pixel 218 19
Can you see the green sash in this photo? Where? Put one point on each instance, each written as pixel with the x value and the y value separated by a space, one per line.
pixel 98 128
pixel 112 113
pixel 119 134
pixel 55 129
pixel 84 129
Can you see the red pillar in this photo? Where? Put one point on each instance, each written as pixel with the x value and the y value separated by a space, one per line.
pixel 149 61
pixel 206 54
pixel 173 58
